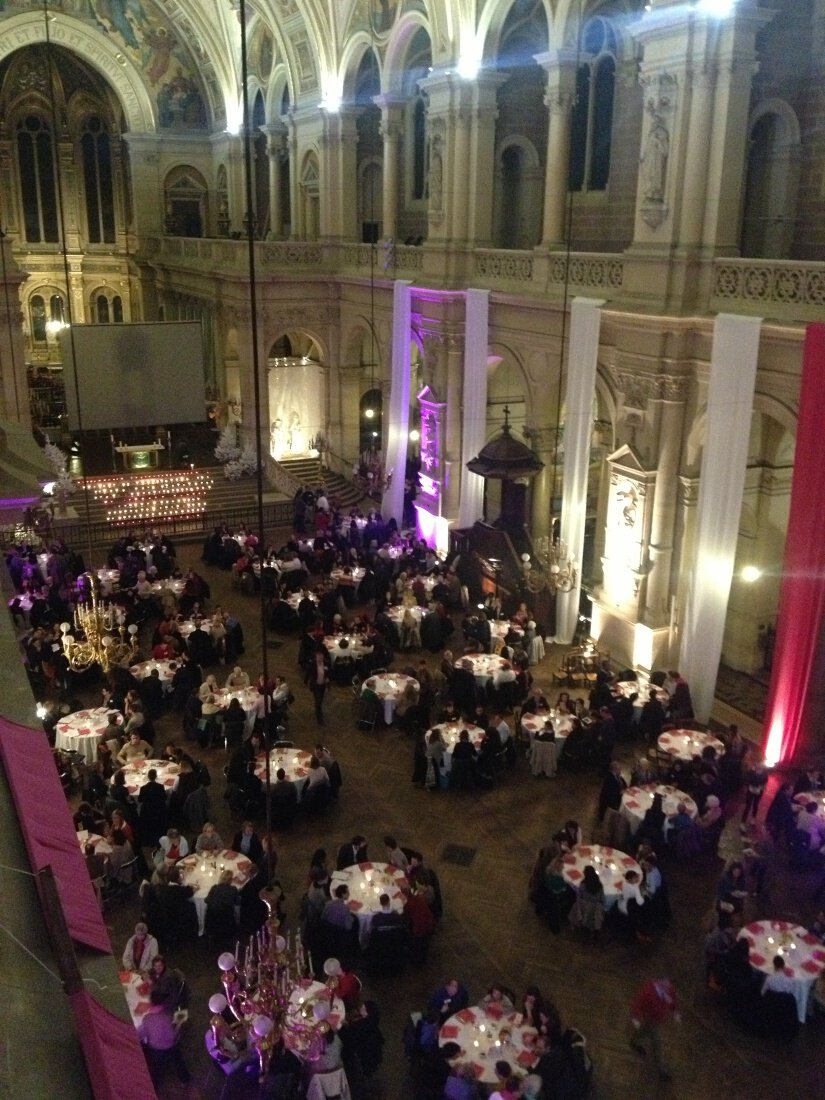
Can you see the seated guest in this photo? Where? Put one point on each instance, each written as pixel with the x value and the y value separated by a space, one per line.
pixel 165 983
pixel 336 912
pixel 247 842
pixel 119 865
pixel 569 837
pixel 712 814
pixel 135 749
pixel 778 981
pixel 329 1059
pixel 283 797
pixel 347 983
pixel 449 999
pixel 680 820
pixel 141 949
pixel 386 916
pixel 171 847
pixel 209 840
pixel 222 901
pixel 589 908
pixel 395 856
pixel 809 822
pixel 497 997
pixel 354 852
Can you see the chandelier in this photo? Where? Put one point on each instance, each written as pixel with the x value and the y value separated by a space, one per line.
pixel 270 993
pixel 557 570
pixel 100 635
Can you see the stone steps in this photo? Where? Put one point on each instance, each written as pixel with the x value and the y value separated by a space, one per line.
pixel 311 475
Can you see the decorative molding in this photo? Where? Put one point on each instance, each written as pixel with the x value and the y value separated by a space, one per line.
pixel 602 272
pixel 638 388
pixel 778 282
pixel 493 264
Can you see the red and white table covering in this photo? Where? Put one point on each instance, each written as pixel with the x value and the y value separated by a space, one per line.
pixel 535 723
pixel 488 1035
pixel 166 670
pixel 636 801
pixel 367 882
pixel 204 871
pixel 80 732
pixel 136 775
pixel 611 866
pixel 389 687
pixel 295 763
pixel 803 953
pixel 484 665
pixel 449 735
pixel 688 744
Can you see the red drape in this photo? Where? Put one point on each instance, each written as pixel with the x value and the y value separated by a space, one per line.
pixel 114 1058
pixel 790 721
pixel 48 830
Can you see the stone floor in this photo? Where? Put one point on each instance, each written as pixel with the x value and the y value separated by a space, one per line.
pixel 489 931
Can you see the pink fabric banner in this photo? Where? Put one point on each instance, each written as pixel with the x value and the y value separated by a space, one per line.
pixel 48 830
pixel 113 1054
pixel 791 721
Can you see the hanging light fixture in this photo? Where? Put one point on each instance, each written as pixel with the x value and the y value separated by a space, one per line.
pixel 100 636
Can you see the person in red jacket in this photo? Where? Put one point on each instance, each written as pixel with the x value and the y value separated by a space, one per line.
pixel 655 1003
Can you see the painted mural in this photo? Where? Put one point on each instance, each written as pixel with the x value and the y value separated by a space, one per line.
pixel 150 41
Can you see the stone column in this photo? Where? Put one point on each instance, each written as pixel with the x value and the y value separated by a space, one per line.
pixel 671 412
pixel 276 137
pixel 392 120
pixel 543 442
pixel 441 89
pixel 14 389
pixel 339 184
pixel 560 66
pixel 701 81
pixel 483 115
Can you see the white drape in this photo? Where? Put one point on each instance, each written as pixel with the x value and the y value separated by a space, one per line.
pixel 585 322
pixel 474 419
pixel 724 461
pixel 398 418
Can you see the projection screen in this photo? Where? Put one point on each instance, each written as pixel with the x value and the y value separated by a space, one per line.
pixel 134 376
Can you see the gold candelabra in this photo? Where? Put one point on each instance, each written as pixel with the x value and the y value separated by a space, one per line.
pixel 266 990
pixel 557 570
pixel 100 634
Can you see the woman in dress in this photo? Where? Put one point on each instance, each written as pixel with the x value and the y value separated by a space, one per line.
pixel 588 912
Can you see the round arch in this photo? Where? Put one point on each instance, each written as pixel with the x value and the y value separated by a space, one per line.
pixel 297 392
pixel 404 32
pixel 95 49
pixel 492 23
pixel 354 53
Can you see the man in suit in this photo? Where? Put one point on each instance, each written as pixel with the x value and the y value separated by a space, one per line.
pixel 354 852
pixel 283 797
pixel 613 787
pixel 199 645
pixel 154 815
pixel 247 842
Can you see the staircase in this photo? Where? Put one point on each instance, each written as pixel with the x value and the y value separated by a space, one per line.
pixel 312 475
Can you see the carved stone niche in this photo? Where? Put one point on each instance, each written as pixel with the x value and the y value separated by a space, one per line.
pixel 431 427
pixel 627 528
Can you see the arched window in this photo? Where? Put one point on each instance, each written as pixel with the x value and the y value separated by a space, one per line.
pixel 106 307
pixel 260 168
pixel 98 181
pixel 35 158
pixel 419 147
pixel 37 316
pixel 185 192
pixel 592 121
pixel 102 309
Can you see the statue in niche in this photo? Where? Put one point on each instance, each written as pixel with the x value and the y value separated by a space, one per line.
pixel 654 161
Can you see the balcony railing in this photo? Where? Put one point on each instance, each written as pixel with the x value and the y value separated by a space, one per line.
pixel 770 287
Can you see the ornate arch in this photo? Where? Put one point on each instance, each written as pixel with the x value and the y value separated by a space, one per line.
pixel 95 49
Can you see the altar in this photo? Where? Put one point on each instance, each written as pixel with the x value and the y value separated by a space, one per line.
pixel 139 456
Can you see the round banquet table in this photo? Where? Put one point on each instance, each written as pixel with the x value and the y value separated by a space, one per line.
pixel 642 688
pixel 636 801
pixel 804 955
pixel 248 698
pixel 136 990
pixel 187 626
pixel 389 687
pixel 166 670
pixel 688 744
pixel 100 844
pixel 367 882
pixel 354 647
pixel 486 1036
pixel 449 735
pixel 305 995
pixel 109 576
pixel 500 628
pixel 80 732
pixel 135 775
pixel 611 867
pixel 295 763
pixel 535 723
pixel 202 872
pixel 357 575
pixel 397 613
pixel 484 665
pixel 174 585
pixel 294 599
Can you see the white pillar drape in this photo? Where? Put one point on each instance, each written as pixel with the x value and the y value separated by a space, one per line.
pixel 398 418
pixel 724 461
pixel 583 353
pixel 474 417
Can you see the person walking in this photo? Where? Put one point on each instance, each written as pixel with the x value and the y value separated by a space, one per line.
pixel 655 1003
pixel 317 679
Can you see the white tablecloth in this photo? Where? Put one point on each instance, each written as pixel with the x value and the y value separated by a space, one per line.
pixel 357 575
pixel 642 687
pixel 397 613
pixel 636 801
pixel 202 872
pixel 543 757
pixel 367 882
pixel 354 647
pixel 100 844
pixel 804 955
pixel 136 989
pixel 535 723
pixel 611 866
pixel 449 735
pixel 389 687
pixel 166 670
pixel 174 585
pixel 136 775
pixel 80 732
pixel 248 698
pixel 302 1000
pixel 486 1038
pixel 187 626
pixel 484 665
pixel 687 744
pixel 294 599
pixel 295 763
pixel 500 628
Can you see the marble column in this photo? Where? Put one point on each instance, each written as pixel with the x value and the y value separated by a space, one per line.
pixel 560 66
pixel 543 442
pixel 479 197
pixel 392 121
pixel 339 185
pixel 276 135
